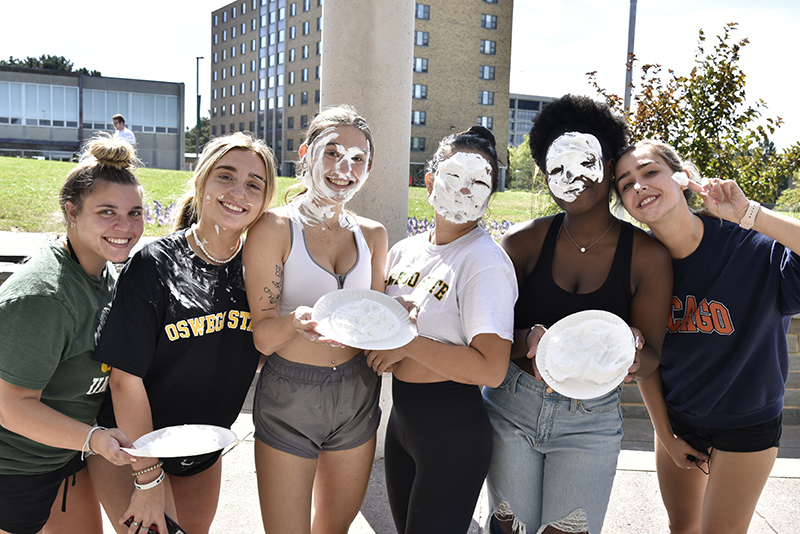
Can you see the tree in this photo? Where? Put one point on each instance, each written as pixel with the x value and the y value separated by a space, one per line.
pixel 521 167
pixel 205 126
pixel 46 62
pixel 706 118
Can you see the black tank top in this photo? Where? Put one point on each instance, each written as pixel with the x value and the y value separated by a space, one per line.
pixel 542 301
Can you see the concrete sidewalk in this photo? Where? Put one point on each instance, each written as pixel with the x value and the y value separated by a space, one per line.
pixel 635 507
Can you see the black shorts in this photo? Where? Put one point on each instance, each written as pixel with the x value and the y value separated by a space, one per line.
pixel 26 500
pixel 190 465
pixel 745 439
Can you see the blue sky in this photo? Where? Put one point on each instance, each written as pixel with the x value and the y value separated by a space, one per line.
pixel 555 43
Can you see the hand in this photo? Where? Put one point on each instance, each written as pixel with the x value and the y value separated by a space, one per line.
pixel 723 198
pixel 411 306
pixel 306 327
pixel 107 444
pixel 146 508
pixel 384 361
pixel 683 454
pixel 639 343
pixel 532 340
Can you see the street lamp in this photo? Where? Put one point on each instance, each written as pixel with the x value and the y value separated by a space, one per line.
pixel 197 128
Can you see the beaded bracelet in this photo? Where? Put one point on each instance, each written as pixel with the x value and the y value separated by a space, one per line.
pixel 86 450
pixel 151 468
pixel 152 484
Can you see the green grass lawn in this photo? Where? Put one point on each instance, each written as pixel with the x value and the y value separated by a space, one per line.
pixel 29 197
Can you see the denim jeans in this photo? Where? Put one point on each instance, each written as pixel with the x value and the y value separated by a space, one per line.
pixel 554 457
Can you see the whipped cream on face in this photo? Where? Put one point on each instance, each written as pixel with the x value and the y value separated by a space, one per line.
pixel 364 320
pixel 462 187
pixel 318 203
pixel 572 158
pixel 595 351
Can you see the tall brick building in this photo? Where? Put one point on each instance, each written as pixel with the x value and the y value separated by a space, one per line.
pixel 265 69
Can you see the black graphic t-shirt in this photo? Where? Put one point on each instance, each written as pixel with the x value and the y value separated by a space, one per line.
pixel 184 327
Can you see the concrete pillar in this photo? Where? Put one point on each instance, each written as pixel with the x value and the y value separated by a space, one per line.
pixel 367 61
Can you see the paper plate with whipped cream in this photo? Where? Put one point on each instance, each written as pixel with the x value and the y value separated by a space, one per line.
pixel 182 440
pixel 364 319
pixel 587 354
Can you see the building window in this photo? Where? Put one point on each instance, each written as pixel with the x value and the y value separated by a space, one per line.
pixel 281 13
pixel 233 32
pixel 215 57
pixel 280 58
pixel 293 10
pixel 418 144
pixel 489 22
pixel 291 55
pixel 252 108
pixel 244 48
pixel 306 5
pixel 224 16
pixel 234 12
pixel 317 72
pixel 271 82
pixel 252 65
pixel 303 98
pixel 222 111
pixel 305 52
pixel 304 75
pixel 418 118
pixel 420 64
pixel 292 31
pixel 421 38
pixel 214 75
pixel 486 98
pixel 252 86
pixel 488 47
pixel 303 121
pixel 486 72
pixel 253 45
pixel 420 91
pixel 215 94
pixel 233 51
pixel 233 71
pixel 486 122
pixel 243 68
pixel 241 111
pixel 291 101
pixel 319 47
pixel 214 111
pixel 215 38
pixel 254 24
pixel 290 145
pixel 423 12
pixel 224 73
pixel 233 90
pixel 319 24
pixel 224 35
pixel 244 28
pixel 271 39
pixel 272 17
pixel 241 88
pixel 291 78
pixel 281 35
pixel 252 125
pixel 216 20
pixel 213 131
pixel 224 54
pixel 316 96
pixel 290 123
pixel 306 27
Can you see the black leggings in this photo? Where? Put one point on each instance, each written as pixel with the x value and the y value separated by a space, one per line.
pixel 438 449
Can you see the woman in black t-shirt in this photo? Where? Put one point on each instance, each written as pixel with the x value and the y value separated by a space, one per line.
pixel 179 339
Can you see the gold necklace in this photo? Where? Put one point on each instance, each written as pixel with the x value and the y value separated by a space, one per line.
pixel 584 249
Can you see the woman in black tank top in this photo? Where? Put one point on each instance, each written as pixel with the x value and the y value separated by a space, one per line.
pixel 581 259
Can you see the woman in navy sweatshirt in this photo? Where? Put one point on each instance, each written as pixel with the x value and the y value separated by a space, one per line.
pixel 716 403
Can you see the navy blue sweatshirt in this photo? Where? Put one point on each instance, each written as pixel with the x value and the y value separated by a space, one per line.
pixel 725 360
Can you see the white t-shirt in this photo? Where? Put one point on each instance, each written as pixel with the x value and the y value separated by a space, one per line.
pixel 127 135
pixel 464 288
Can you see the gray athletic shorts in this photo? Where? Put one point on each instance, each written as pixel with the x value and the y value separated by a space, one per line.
pixel 304 409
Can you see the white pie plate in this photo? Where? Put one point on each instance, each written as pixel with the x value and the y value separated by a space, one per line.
pixel 575 387
pixel 330 302
pixel 182 441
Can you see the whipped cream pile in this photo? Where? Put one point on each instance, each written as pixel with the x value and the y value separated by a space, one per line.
pixel 364 320
pixel 594 351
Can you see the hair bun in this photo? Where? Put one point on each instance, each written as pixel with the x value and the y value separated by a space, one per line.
pixel 112 152
pixel 482 132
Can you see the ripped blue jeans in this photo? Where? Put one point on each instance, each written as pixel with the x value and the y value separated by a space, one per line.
pixel 554 457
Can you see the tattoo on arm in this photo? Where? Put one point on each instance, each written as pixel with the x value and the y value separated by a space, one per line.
pixel 274 296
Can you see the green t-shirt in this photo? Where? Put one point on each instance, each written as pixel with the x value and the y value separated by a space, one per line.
pixel 49 316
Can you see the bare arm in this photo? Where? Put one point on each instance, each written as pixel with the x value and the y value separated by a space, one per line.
pixel 22 412
pixel 378 241
pixel 483 362
pixel 651 270
pixel 725 199
pixel 133 414
pixel 265 251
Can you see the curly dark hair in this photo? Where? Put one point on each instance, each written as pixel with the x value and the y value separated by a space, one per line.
pixel 574 113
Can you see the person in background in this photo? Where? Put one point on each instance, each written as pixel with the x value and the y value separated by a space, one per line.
pixel 717 400
pixel 316 408
pixel 50 388
pixel 122 131
pixel 460 286
pixel 555 457
pixel 178 338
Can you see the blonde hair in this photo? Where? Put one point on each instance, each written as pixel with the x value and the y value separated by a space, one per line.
pixel 189 210
pixel 103 159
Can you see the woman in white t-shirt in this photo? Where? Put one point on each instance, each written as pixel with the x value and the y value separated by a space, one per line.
pixel 461 287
